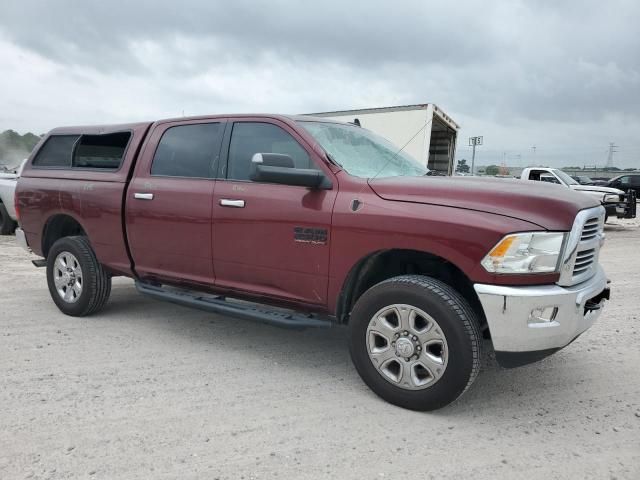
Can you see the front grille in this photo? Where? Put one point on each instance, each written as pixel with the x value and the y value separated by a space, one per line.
pixel 588 249
pixel 584 260
pixel 590 229
pixel 581 252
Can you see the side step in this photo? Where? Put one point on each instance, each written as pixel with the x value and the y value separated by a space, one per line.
pixel 245 310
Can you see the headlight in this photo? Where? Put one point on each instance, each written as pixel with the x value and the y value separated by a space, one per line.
pixel 533 252
pixel 612 197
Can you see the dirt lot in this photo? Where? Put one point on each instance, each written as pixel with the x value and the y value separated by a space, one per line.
pixel 151 390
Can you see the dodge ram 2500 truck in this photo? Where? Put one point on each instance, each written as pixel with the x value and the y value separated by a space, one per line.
pixel 308 222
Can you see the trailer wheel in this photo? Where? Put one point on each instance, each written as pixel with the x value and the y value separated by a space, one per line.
pixel 78 283
pixel 7 225
pixel 415 342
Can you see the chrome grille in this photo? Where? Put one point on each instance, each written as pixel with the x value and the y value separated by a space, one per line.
pixel 580 260
pixel 584 260
pixel 588 249
pixel 590 230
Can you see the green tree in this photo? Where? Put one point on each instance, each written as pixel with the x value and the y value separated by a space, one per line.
pixel 14 147
pixel 492 170
pixel 462 166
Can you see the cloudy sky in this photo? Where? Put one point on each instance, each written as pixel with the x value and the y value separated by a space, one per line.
pixel 563 76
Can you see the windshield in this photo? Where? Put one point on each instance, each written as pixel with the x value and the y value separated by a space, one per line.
pixel 565 178
pixel 362 153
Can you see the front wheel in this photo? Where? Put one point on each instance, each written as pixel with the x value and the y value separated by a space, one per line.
pixel 415 341
pixel 77 282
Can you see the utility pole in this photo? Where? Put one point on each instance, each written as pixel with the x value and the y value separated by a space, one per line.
pixel 534 154
pixel 473 142
pixel 612 150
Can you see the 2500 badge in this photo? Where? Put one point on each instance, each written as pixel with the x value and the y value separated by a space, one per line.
pixel 310 235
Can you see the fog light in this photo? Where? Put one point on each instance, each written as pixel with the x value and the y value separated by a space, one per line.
pixel 543 316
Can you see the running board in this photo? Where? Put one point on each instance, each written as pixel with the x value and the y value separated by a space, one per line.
pixel 41 262
pixel 244 310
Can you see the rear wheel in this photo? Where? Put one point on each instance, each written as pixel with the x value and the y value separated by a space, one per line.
pixel 7 225
pixel 77 282
pixel 415 342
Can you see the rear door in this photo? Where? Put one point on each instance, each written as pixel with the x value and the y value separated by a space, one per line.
pixel 271 239
pixel 168 205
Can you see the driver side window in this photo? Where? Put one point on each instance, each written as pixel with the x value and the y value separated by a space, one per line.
pixel 249 138
pixel 549 178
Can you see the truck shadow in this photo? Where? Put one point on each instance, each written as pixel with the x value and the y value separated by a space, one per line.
pixel 323 353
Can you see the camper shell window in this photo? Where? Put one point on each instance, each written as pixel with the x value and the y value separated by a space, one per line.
pixel 56 152
pixel 102 152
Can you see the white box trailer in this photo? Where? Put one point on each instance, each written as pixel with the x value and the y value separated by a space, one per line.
pixel 425 131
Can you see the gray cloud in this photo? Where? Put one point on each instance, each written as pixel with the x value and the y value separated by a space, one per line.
pixel 522 69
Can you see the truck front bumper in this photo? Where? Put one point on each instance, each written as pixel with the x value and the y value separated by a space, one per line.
pixel 530 323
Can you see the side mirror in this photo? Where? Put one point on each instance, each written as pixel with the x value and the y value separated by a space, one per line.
pixel 279 168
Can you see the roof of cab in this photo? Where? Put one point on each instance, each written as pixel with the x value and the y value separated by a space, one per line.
pixel 102 129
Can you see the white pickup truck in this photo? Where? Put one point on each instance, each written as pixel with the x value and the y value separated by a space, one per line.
pixel 616 202
pixel 8 181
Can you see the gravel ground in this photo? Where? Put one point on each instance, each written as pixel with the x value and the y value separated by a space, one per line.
pixel 146 389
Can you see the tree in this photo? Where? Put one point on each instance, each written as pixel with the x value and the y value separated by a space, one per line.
pixel 14 147
pixel 462 166
pixel 492 170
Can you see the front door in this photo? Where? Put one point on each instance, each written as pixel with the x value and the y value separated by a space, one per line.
pixel 169 200
pixel 271 239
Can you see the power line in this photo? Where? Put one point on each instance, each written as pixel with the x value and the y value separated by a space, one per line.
pixel 612 150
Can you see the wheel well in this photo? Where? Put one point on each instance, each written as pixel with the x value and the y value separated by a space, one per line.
pixel 385 264
pixel 57 227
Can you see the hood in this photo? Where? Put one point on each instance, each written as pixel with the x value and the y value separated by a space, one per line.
pixel 595 188
pixel 552 207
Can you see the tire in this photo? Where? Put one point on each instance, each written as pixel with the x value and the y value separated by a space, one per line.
pixel 445 347
pixel 78 283
pixel 7 225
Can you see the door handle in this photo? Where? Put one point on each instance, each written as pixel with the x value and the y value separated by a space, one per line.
pixel 143 196
pixel 225 202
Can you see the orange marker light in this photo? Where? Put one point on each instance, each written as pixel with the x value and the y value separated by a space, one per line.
pixel 501 249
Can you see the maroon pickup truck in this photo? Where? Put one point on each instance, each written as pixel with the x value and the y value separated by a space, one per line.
pixel 305 222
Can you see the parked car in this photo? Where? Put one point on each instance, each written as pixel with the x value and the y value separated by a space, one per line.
pixel 329 221
pixel 616 202
pixel 582 180
pixel 629 181
pixel 8 180
pixel 600 181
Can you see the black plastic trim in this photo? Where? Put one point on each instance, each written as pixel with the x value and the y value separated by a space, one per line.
pixel 244 310
pixel 518 359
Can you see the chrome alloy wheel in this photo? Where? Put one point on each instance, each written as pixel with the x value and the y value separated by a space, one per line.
pixel 407 347
pixel 67 277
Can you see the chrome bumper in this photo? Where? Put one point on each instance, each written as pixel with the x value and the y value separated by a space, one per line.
pixel 22 239
pixel 541 318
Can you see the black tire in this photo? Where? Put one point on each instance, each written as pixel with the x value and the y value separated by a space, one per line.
pixel 454 316
pixel 96 283
pixel 7 225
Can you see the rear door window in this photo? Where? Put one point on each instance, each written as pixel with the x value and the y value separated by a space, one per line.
pixel 188 150
pixel 56 152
